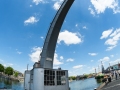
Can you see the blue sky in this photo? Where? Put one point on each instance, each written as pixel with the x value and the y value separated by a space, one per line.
pixel 90 34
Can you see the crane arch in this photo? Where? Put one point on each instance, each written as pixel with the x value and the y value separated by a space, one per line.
pixel 47 54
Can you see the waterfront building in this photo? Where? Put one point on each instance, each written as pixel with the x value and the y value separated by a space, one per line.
pixel 46 79
pixel 19 73
pixel 79 77
pixel 103 70
pixel 114 67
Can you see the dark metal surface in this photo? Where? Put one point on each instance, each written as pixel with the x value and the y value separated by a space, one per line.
pixel 47 55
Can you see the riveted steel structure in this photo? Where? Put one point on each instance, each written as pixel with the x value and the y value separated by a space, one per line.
pixel 47 55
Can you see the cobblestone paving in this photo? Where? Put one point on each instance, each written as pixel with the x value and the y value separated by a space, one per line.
pixel 114 85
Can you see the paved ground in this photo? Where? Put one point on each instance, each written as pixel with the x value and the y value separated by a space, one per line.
pixel 114 85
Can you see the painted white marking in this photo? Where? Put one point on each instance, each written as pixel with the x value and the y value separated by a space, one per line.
pixel 49 59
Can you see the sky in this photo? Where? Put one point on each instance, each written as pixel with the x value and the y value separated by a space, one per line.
pixel 90 34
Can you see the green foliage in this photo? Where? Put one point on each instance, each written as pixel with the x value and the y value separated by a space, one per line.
pixel 102 76
pixel 85 76
pixel 1 68
pixel 72 78
pixel 99 77
pixel 9 71
pixel 99 80
pixel 16 74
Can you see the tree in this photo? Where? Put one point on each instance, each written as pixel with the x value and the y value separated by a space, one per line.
pixel 85 76
pixel 9 71
pixel 16 74
pixel 72 77
pixel 1 68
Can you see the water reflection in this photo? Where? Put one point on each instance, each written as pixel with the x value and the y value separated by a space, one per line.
pixel 8 83
pixel 14 85
pixel 87 84
pixel 99 80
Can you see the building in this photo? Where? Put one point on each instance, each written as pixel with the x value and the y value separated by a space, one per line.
pixel 113 67
pixel 46 79
pixel 43 76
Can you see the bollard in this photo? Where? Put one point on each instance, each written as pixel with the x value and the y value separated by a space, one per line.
pixel 95 89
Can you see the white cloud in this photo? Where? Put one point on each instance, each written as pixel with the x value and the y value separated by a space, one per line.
pixel 57 4
pixel 117 36
pixel 91 11
pixel 61 58
pixel 56 61
pixel 78 66
pixel 30 5
pixel 69 37
pixel 35 55
pixel 92 69
pixel 31 20
pixel 4 65
pixel 106 33
pixel 105 59
pixel 115 32
pixel 110 48
pixel 111 42
pixel 69 71
pixel 92 54
pixel 113 39
pixel 10 64
pixel 111 55
pixel 70 60
pixel 92 60
pixel 42 37
pixel 79 25
pixel 101 5
pixel 39 1
pixel 84 27
pixel 76 25
pixel 88 67
pixel 56 67
pixel 115 62
pixel 19 52
pixel 7 64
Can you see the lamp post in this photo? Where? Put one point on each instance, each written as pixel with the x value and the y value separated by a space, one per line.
pixel 118 65
pixel 109 66
pixel 95 71
pixel 103 71
pixel 27 66
pixel 98 69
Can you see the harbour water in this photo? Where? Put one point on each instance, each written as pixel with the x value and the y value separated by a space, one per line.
pixel 87 84
pixel 12 85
